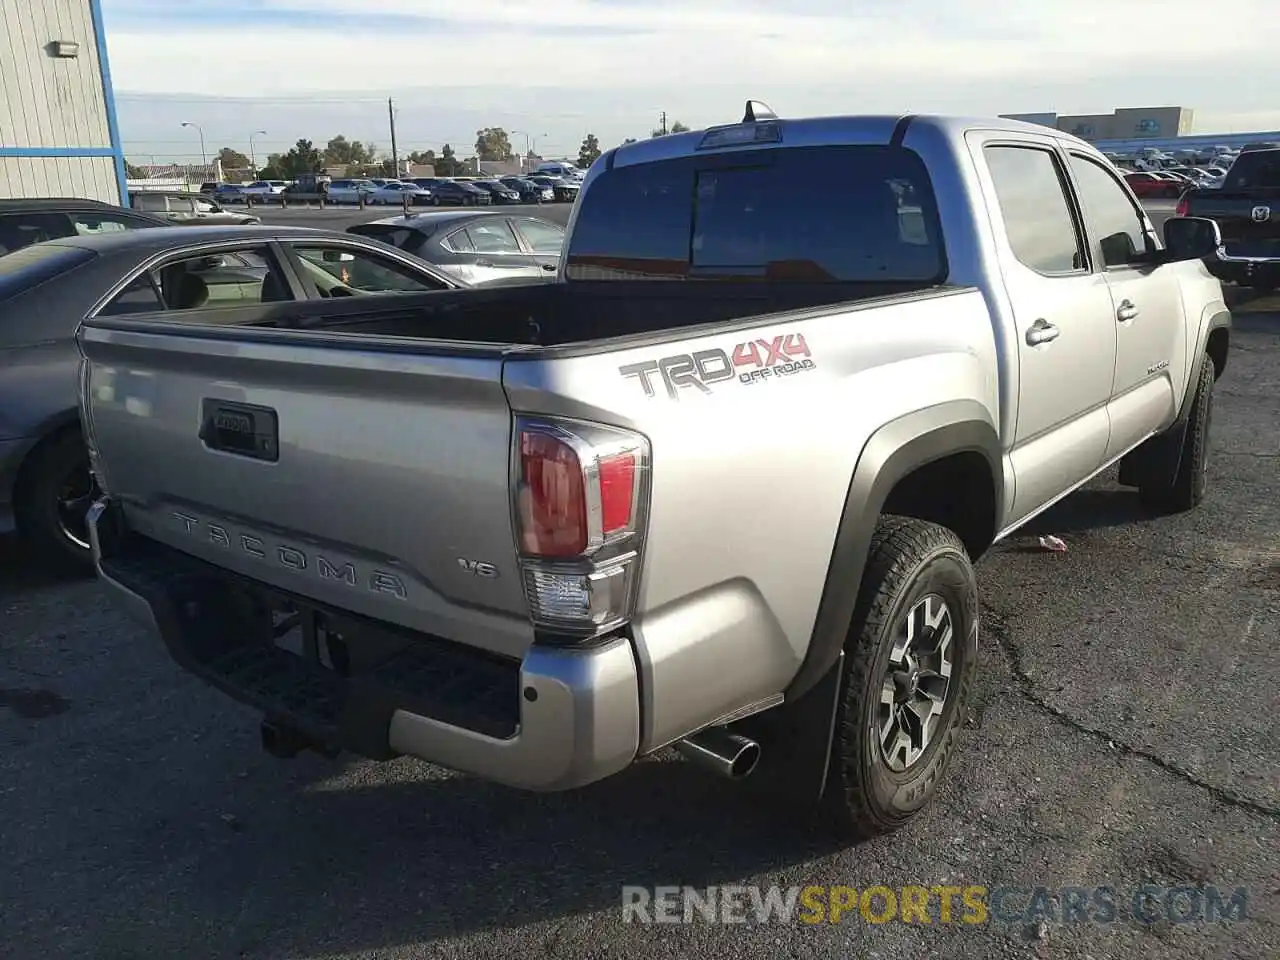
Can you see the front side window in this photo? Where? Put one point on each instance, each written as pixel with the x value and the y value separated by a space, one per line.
pixel 1033 205
pixel 543 238
pixel 1114 226
pixel 343 271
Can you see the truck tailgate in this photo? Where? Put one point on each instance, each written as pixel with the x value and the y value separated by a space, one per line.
pixel 1248 225
pixel 289 460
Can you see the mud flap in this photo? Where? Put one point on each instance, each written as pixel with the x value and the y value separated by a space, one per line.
pixel 795 744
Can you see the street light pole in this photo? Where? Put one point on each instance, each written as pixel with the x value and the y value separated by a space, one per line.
pixel 204 156
pixel 253 159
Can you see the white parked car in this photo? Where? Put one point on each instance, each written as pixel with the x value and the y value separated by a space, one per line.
pixel 349 191
pixel 264 188
pixel 394 191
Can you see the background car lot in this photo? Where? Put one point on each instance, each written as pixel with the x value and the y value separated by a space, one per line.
pixel 1119 734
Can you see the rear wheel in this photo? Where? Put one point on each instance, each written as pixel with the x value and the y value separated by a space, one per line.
pixel 55 492
pixel 910 658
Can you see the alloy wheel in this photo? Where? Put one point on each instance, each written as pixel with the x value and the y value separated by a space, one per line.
pixel 916 684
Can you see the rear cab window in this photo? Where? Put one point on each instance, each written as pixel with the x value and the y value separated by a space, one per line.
pixel 769 214
pixel 1257 170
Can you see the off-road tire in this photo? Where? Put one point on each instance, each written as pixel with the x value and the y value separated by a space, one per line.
pixel 1186 488
pixel 36 502
pixel 909 559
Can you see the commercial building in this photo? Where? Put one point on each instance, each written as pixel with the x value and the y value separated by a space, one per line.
pixel 1130 123
pixel 58 130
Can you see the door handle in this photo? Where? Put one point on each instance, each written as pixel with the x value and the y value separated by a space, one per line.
pixel 1126 311
pixel 484 263
pixel 1042 331
pixel 549 267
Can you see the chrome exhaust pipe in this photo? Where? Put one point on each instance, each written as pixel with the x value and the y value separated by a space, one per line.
pixel 722 752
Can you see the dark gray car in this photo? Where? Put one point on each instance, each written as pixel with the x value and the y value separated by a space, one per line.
pixel 478 247
pixel 214 276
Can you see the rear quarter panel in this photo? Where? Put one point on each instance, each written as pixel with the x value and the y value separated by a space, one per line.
pixel 750 480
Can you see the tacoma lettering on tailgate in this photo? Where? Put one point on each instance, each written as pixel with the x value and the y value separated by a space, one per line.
pixel 755 361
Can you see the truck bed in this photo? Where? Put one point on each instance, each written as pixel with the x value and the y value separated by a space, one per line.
pixel 556 314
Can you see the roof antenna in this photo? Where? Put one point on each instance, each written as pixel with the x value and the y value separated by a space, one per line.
pixel 758 110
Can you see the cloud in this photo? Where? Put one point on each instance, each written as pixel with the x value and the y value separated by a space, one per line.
pixel 611 64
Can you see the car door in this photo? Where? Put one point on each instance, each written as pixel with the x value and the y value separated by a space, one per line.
pixel 1146 300
pixel 543 240
pixel 1061 309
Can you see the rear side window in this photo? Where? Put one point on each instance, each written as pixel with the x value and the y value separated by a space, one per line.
pixel 20 230
pixel 32 265
pixel 811 214
pixel 150 202
pixel 1033 204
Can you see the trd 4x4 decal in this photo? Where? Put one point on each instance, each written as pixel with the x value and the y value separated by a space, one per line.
pixel 754 361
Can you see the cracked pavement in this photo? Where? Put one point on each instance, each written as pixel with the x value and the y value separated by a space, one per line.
pixel 1124 730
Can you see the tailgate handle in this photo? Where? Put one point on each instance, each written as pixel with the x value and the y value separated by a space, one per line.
pixel 241 429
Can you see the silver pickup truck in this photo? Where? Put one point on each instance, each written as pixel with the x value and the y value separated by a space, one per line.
pixel 720 486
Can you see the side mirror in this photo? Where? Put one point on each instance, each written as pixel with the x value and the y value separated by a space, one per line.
pixel 336 256
pixel 209 263
pixel 1191 238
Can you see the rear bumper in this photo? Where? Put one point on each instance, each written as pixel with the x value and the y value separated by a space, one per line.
pixel 1243 270
pixel 555 720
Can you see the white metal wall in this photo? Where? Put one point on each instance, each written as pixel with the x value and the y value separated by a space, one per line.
pixel 48 101
pixel 57 106
pixel 93 178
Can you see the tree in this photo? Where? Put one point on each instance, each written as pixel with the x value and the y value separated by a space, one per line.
pixel 340 150
pixel 274 168
pixel 447 165
pixel 134 173
pixel 676 127
pixel 589 152
pixel 492 143
pixel 422 156
pixel 233 159
pixel 303 158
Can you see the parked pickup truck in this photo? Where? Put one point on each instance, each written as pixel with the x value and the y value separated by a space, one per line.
pixel 1247 210
pixel 719 486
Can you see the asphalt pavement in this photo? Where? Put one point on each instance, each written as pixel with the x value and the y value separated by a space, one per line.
pixel 1123 731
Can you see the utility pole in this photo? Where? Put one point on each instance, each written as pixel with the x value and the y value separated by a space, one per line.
pixel 395 157
pixel 664 123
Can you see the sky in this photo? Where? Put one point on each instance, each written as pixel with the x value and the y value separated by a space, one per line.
pixel 558 71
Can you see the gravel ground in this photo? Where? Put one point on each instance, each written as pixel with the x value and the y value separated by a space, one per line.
pixel 1123 731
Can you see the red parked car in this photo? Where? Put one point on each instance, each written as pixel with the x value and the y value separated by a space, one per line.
pixel 1150 185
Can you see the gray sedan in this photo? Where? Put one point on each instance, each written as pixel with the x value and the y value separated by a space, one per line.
pixel 216 275
pixel 475 246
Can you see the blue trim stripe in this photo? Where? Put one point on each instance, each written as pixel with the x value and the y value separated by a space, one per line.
pixel 109 100
pixel 58 151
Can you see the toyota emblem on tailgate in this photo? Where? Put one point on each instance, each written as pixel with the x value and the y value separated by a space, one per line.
pixel 1261 214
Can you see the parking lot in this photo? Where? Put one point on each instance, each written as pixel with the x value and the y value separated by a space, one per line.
pixel 339 218
pixel 1124 731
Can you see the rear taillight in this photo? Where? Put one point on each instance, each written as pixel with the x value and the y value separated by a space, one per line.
pixel 1183 205
pixel 580 495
